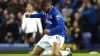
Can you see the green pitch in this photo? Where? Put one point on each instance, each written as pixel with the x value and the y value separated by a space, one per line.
pixel 74 54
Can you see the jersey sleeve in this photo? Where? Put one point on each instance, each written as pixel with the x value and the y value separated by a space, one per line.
pixel 60 23
pixel 39 15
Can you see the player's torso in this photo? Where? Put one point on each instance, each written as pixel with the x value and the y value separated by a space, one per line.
pixel 31 23
pixel 50 21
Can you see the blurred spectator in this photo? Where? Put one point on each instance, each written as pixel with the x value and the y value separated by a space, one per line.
pixel 98 2
pixel 98 15
pixel 71 3
pixel 69 41
pixel 86 40
pixel 19 18
pixel 5 16
pixel 9 38
pixel 12 26
pixel 54 2
pixel 1 12
pixel 2 32
pixel 3 4
pixel 14 7
pixel 66 12
pixel 76 29
pixel 30 1
pixel 22 2
pixel 58 6
pixel 38 3
pixel 92 23
pixel 62 3
pixel 3 19
pixel 31 26
pixel 76 25
pixel 19 21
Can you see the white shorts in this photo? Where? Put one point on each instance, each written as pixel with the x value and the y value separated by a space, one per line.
pixel 47 41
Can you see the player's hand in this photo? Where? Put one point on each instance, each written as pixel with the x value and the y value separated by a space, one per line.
pixel 41 34
pixel 46 31
pixel 27 15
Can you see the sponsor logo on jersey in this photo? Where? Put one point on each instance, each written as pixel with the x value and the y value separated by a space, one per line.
pixel 48 21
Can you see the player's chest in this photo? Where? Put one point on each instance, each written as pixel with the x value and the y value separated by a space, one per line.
pixel 49 16
pixel 49 19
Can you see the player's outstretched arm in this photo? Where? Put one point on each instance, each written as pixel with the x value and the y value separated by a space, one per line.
pixel 39 15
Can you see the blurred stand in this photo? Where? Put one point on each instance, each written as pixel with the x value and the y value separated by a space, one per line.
pixel 14 48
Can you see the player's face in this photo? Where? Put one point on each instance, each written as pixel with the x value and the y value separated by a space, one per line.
pixel 29 8
pixel 45 8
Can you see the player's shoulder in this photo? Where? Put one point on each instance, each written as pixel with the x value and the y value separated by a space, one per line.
pixel 57 14
pixel 34 12
pixel 55 10
pixel 26 13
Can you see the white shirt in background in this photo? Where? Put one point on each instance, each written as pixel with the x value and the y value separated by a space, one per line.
pixel 31 25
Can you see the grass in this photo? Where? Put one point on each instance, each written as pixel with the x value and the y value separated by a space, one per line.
pixel 15 55
pixel 85 54
pixel 74 54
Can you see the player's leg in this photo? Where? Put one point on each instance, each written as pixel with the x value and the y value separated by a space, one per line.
pixel 34 39
pixel 55 49
pixel 37 50
pixel 56 42
pixel 63 52
pixel 30 40
pixel 41 46
pixel 33 36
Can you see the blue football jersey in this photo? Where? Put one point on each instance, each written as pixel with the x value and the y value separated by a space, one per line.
pixel 53 20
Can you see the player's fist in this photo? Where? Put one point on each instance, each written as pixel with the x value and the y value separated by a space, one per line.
pixel 27 15
pixel 41 34
pixel 46 31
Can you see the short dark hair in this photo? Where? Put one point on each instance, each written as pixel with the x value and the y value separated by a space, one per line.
pixel 45 2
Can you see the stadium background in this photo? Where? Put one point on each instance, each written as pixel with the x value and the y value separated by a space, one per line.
pixel 79 38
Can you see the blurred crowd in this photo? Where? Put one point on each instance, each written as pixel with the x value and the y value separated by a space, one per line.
pixel 81 18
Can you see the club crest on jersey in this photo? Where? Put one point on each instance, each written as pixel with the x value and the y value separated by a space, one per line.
pixel 58 16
